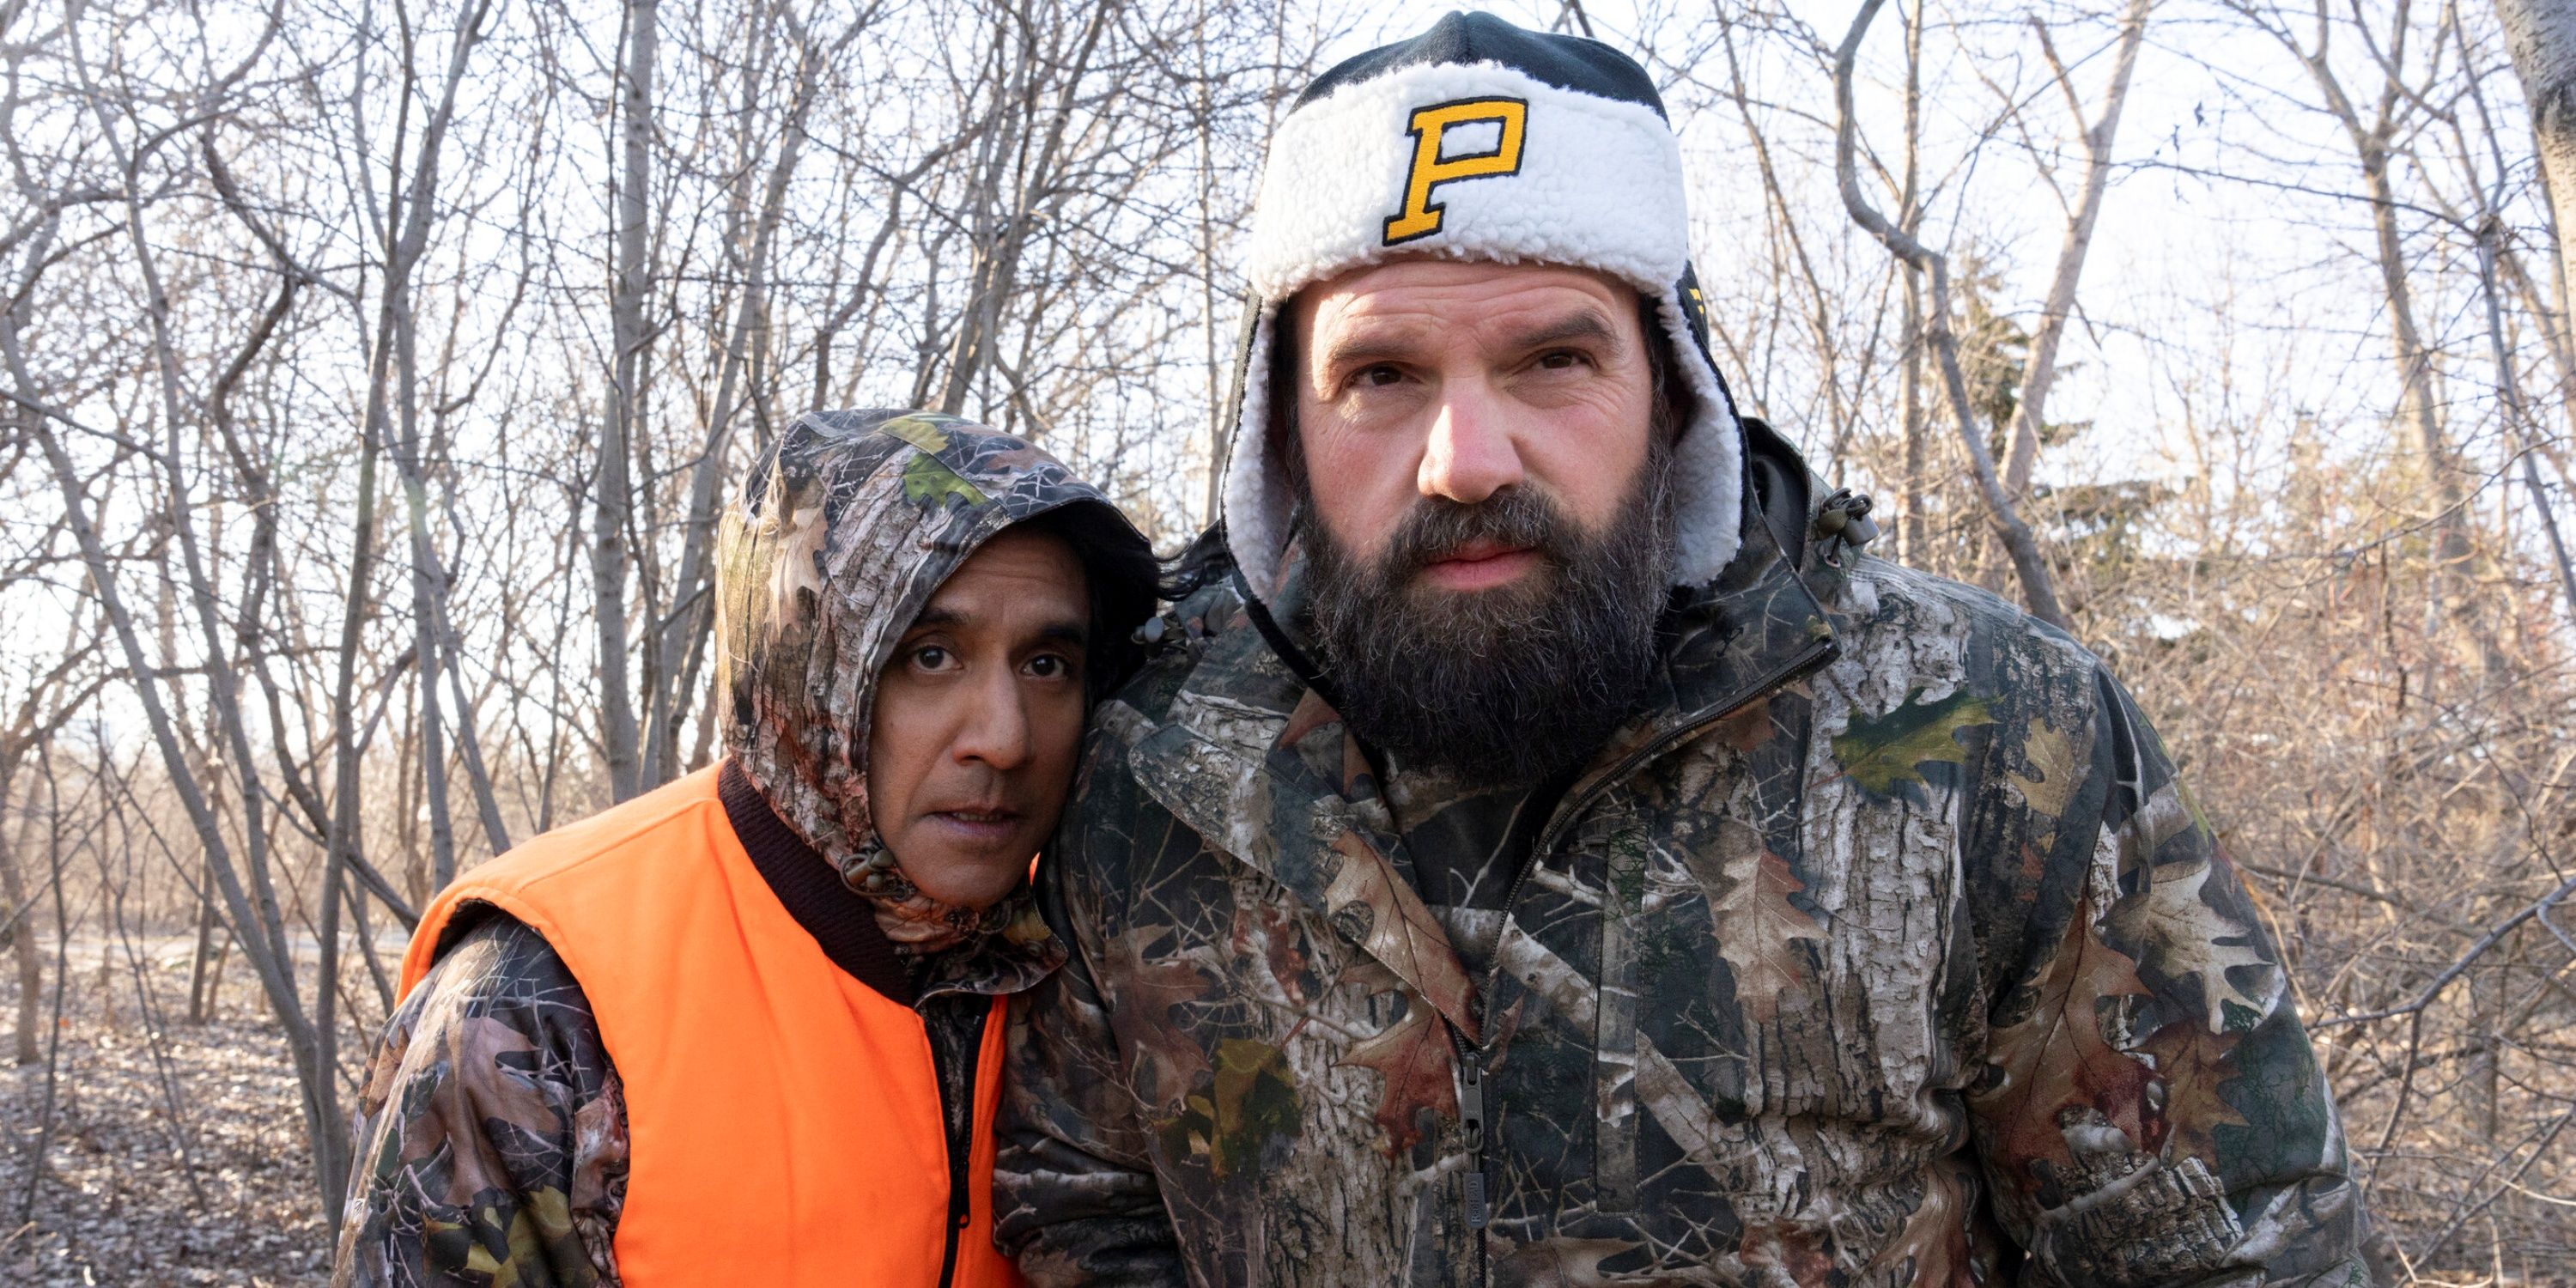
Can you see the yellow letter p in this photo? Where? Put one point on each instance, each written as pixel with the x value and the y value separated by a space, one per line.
pixel 1420 218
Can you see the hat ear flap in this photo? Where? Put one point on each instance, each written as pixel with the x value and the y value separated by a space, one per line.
pixel 1259 501
pixel 1708 459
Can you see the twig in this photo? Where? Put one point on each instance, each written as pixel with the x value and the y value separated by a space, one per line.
pixel 2461 966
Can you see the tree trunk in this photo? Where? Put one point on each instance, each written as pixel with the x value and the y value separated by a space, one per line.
pixel 682 638
pixel 2542 37
pixel 254 903
pixel 2416 407
pixel 619 729
pixel 998 267
pixel 268 951
pixel 2039 586
pixel 2517 417
pixel 1909 220
pixel 22 935
pixel 1220 416
pixel 2451 588
pixel 201 995
pixel 1909 414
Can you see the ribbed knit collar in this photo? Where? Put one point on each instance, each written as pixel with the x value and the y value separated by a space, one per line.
pixel 838 918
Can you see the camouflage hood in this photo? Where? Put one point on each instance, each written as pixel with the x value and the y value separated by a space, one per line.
pixel 846 527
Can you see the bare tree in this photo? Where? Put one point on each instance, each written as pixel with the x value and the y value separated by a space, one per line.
pixel 611 492
pixel 2039 370
pixel 2039 586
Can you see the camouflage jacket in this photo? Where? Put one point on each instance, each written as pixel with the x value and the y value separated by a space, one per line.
pixel 490 1128
pixel 1882 948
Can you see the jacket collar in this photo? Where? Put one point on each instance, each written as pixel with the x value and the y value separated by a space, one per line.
pixel 1757 628
pixel 1249 757
pixel 840 921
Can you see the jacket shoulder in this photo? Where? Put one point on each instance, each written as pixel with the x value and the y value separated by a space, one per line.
pixel 518 881
pixel 1908 638
pixel 1945 683
pixel 1879 594
pixel 1210 657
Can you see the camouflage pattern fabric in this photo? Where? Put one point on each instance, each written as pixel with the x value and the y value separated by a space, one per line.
pixel 1883 948
pixel 491 1130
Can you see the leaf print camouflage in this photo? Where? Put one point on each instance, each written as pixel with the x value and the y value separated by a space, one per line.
pixel 1884 753
pixel 1882 949
pixel 1758 928
pixel 2186 935
pixel 1412 1058
pixel 528 1189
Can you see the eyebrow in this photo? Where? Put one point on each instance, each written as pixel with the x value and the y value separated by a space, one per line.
pixel 1368 350
pixel 1062 630
pixel 1585 325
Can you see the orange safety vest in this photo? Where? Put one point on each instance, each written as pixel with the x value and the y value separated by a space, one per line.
pixel 783 1118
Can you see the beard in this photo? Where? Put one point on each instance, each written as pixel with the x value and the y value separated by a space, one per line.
pixel 1509 685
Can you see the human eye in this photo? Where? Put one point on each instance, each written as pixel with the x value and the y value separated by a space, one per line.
pixel 1563 359
pixel 1376 375
pixel 1052 666
pixel 933 658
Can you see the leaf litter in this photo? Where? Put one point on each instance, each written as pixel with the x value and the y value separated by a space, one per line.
pixel 112 1205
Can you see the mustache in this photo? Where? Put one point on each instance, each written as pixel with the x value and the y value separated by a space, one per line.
pixel 1515 516
pixel 1507 685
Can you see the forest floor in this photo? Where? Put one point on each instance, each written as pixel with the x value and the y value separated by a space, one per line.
pixel 113 1203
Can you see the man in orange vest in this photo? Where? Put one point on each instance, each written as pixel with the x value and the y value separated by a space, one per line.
pixel 744 1029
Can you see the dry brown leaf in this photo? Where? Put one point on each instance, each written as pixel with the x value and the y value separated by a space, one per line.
pixel 1146 991
pixel 2052 756
pixel 2192 1062
pixel 1412 1055
pixel 2056 1056
pixel 1399 931
pixel 1756 924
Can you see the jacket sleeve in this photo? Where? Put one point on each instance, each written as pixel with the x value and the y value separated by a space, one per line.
pixel 2150 1111
pixel 490 1130
pixel 1076 1200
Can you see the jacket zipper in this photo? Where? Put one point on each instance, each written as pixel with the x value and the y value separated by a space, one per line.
pixel 1471 1071
pixel 960 1207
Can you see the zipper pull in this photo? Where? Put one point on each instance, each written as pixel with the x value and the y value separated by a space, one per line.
pixel 1471 1115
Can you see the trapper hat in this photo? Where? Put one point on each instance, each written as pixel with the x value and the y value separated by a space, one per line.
pixel 1478 140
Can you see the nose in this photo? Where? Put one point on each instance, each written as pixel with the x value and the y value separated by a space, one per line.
pixel 996 731
pixel 1470 455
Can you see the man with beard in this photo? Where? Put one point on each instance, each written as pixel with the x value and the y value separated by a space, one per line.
pixel 1546 850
